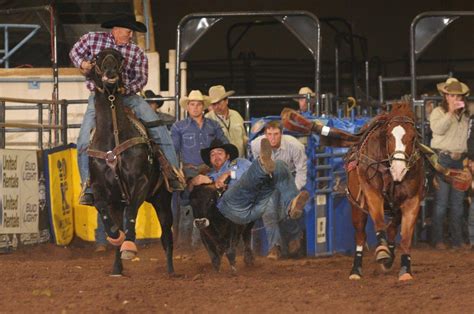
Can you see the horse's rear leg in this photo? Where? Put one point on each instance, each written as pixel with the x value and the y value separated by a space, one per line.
pixel 359 220
pixel 410 209
pixel 162 204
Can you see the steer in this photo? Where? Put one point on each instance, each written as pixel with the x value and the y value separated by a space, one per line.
pixel 219 234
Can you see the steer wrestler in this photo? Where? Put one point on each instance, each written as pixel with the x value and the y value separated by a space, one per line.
pixel 249 186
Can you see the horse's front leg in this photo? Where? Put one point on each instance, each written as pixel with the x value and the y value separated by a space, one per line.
pixel 392 231
pixel 375 204
pixel 128 248
pixel 410 209
pixel 359 221
pixel 115 235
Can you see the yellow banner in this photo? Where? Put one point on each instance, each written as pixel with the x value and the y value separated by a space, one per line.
pixel 83 219
pixel 61 194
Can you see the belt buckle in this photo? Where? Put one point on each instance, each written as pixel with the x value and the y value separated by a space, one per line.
pixel 455 156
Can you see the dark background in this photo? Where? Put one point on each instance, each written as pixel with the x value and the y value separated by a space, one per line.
pixel 268 60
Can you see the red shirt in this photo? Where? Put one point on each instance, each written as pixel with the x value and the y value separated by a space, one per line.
pixel 135 70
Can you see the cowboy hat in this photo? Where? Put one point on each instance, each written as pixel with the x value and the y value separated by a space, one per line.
pixel 305 91
pixel 149 94
pixel 125 21
pixel 452 86
pixel 217 93
pixel 216 143
pixel 194 95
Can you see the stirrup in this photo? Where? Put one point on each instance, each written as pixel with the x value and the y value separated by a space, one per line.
pixel 84 187
pixel 174 180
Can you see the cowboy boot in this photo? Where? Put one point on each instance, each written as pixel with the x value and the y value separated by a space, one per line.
pixel 174 178
pixel 86 197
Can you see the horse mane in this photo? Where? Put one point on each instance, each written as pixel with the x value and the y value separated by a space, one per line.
pixel 402 109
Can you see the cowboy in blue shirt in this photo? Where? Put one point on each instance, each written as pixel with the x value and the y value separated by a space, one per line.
pixel 194 133
pixel 249 186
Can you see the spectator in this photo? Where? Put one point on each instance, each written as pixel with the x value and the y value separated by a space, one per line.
pixel 289 150
pixel 304 105
pixel 449 124
pixel 195 132
pixel 156 105
pixel 230 120
pixel 470 156
pixel 134 77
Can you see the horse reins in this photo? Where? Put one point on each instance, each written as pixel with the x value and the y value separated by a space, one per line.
pixel 379 165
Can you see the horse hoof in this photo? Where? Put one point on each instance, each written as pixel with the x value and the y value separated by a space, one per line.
pixel 129 246
pixel 405 277
pixel 175 275
pixel 128 255
pixel 382 255
pixel 355 277
pixel 116 275
pixel 387 266
pixel 118 241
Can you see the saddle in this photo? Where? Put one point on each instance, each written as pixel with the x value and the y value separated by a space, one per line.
pixel 156 153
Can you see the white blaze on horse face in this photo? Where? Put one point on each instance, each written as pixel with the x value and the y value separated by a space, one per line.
pixel 398 168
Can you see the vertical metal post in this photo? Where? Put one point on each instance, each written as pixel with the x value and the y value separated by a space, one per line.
pixel 2 120
pixel 247 114
pixel 7 64
pixel 367 97
pixel 40 129
pixel 381 96
pixel 309 103
pixel 64 105
pixel 336 69
pixel 412 58
pixel 177 76
pixel 54 60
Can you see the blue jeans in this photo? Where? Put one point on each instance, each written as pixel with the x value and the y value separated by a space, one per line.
pixel 100 235
pixel 471 222
pixel 142 109
pixel 448 196
pixel 279 230
pixel 247 199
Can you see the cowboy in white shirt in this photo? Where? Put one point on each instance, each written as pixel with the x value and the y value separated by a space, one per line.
pixel 288 149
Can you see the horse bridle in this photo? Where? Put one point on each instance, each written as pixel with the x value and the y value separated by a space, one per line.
pixel 378 165
pixel 98 70
pixel 411 159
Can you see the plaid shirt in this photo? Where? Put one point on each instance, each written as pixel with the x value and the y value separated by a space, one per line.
pixel 135 74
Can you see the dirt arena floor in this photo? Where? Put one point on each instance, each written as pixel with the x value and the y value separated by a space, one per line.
pixel 74 279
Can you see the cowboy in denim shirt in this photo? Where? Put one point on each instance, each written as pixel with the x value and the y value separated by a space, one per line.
pixel 194 133
pixel 251 185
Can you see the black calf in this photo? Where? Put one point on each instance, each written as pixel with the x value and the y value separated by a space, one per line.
pixel 218 234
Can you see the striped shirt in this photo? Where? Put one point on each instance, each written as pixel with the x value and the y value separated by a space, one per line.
pixel 135 68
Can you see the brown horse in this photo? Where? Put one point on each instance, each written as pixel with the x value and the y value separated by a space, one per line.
pixel 385 174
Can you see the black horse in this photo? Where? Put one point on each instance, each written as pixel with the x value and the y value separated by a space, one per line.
pixel 124 171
